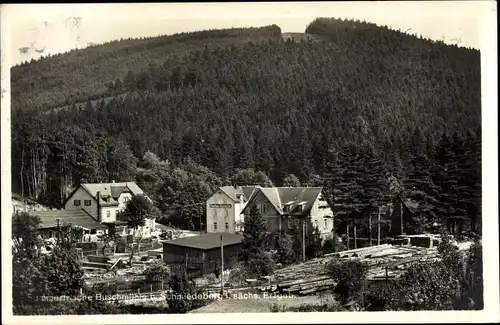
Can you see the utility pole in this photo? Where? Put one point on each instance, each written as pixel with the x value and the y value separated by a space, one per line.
pixel 303 240
pixel 222 265
pixel 378 227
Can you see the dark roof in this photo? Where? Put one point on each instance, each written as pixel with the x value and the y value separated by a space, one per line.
pixel 411 205
pixel 77 218
pixel 248 190
pixel 112 190
pixel 292 196
pixel 234 191
pixel 206 241
pixel 116 191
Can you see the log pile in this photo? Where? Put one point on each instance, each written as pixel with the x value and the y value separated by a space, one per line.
pixel 312 276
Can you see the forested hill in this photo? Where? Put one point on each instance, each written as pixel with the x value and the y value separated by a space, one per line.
pixel 83 74
pixel 359 96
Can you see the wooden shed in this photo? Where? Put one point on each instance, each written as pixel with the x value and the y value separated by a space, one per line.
pixel 200 255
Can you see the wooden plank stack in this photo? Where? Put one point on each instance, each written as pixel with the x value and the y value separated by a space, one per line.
pixel 312 276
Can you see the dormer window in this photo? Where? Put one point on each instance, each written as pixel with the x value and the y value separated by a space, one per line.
pixel 286 208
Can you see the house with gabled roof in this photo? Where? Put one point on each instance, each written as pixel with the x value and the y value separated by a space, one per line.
pixel 224 206
pixel 103 202
pixel 287 208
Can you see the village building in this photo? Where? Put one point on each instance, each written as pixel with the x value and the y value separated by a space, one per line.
pixel 103 202
pixel 53 220
pixel 224 207
pixel 287 208
pixel 200 255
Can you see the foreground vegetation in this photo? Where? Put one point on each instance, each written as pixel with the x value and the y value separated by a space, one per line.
pixel 454 282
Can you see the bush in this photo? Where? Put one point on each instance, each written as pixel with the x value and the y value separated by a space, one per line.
pixel 351 279
pixel 157 271
pixel 238 273
pixel 262 264
pixel 285 254
pixel 181 288
pixel 452 283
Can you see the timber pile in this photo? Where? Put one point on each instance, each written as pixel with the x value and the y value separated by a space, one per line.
pixel 312 276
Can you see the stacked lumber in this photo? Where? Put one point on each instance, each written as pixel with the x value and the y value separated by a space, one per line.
pixel 312 276
pixel 302 286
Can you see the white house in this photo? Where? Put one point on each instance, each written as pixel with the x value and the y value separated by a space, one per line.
pixel 224 208
pixel 103 201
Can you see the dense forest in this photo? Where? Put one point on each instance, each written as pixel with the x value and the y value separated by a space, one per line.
pixel 364 110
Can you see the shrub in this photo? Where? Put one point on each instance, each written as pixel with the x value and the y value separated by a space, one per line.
pixel 179 302
pixel 157 271
pixel 285 254
pixel 262 264
pixel 351 279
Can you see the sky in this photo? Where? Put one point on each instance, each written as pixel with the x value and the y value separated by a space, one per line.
pixel 39 29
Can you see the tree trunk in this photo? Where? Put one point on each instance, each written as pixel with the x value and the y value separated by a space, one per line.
pixel 347 246
pixel 378 227
pixel 355 238
pixel 370 227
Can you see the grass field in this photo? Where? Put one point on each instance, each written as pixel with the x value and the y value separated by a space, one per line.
pixel 259 303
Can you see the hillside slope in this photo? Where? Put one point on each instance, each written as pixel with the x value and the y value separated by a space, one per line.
pixel 82 74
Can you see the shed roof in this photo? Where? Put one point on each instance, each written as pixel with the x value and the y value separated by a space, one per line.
pixel 206 241
pixel 77 218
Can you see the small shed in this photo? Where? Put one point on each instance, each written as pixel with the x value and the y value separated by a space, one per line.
pixel 200 255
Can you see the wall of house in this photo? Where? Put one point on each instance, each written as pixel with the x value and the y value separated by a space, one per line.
pixel 113 211
pixel 123 199
pixel 221 209
pixel 269 213
pixel 322 216
pixel 82 195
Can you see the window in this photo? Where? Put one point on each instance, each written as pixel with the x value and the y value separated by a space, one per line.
pixel 108 214
pixel 286 208
pixel 300 207
pixel 264 208
pixel 77 203
pixel 290 224
pixel 326 223
pixel 227 226
pixel 93 231
pixel 126 199
pixel 296 222
pixel 215 225
pixel 87 203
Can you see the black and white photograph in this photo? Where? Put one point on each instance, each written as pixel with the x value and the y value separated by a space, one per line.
pixel 204 162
